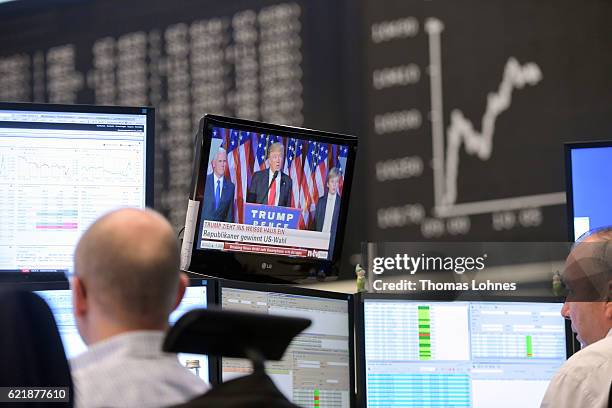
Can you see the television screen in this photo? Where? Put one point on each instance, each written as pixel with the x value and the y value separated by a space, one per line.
pixel 272 191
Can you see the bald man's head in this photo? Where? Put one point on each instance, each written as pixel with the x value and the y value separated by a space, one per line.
pixel 128 263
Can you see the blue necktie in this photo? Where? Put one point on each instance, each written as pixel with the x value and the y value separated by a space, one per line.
pixel 217 194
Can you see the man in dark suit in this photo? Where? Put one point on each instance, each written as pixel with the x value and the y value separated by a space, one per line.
pixel 266 188
pixel 328 207
pixel 218 192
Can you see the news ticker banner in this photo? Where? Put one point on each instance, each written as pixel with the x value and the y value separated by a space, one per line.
pixel 264 239
pixel 490 270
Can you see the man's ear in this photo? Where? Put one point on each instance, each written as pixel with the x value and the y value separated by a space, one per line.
pixel 79 297
pixel 608 305
pixel 183 283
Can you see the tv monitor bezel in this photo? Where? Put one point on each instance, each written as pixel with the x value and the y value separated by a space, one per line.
pixel 103 109
pixel 299 291
pixel 360 328
pixel 263 267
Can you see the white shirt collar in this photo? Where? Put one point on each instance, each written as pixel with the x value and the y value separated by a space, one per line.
pixel 135 343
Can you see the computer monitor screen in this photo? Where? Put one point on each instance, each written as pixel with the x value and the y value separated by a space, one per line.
pixel 272 190
pixel 317 368
pixel 60 302
pixel 589 173
pixel 61 167
pixel 464 354
pixel 196 297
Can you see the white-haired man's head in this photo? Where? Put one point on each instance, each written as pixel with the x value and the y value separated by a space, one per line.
pixel 219 162
pixel 588 277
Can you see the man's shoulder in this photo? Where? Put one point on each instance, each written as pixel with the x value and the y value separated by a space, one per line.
pixel 285 177
pixel 209 178
pixel 110 382
pixel 600 351
pixel 596 356
pixel 227 181
pixel 322 202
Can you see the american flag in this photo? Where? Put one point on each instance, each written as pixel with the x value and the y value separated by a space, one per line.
pixel 289 154
pixel 238 159
pixel 308 195
pixel 341 165
pixel 289 157
pixel 321 169
pixel 294 151
pixel 260 155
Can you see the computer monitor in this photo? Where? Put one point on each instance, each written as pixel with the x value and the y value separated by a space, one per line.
pixel 59 298
pixel 588 169
pixel 199 294
pixel 317 368
pixel 61 167
pixel 268 200
pixel 458 353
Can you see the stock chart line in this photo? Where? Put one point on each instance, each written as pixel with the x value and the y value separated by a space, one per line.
pixel 461 129
pixel 461 132
pixel 46 169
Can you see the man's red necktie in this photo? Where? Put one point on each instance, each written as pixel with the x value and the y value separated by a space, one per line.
pixel 272 193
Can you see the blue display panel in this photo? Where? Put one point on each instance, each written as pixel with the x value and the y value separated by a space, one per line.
pixel 591 174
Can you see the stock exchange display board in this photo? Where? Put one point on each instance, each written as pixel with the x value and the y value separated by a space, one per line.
pixel 468 106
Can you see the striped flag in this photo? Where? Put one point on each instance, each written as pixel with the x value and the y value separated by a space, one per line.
pixel 296 173
pixel 321 168
pixel 260 154
pixel 238 159
pixel 289 154
pixel 341 165
pixel 308 194
pixel 294 152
